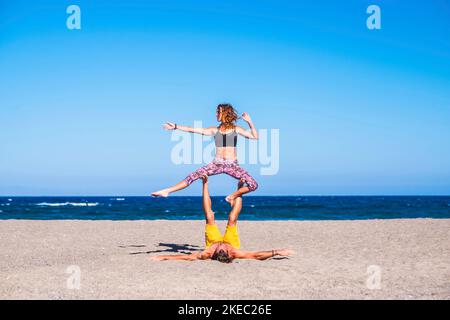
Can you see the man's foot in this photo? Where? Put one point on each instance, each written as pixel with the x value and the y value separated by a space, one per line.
pixel 162 193
pixel 285 252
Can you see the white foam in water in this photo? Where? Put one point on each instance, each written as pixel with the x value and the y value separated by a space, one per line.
pixel 9 199
pixel 84 204
pixel 120 199
pixel 252 205
pixel 75 204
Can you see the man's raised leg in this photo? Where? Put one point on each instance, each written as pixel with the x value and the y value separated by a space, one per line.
pixel 207 205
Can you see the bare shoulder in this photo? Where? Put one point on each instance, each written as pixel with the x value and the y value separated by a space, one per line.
pixel 239 254
pixel 205 256
pixel 207 253
pixel 212 130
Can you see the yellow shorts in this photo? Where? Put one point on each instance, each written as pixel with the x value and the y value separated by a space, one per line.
pixel 231 236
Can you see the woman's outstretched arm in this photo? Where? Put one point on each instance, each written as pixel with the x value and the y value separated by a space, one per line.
pixel 205 131
pixel 253 133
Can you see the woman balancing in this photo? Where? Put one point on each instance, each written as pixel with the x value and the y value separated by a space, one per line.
pixel 225 161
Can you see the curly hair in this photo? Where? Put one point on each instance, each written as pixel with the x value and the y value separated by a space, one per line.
pixel 221 256
pixel 229 115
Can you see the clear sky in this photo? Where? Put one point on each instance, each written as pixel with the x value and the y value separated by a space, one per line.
pixel 359 111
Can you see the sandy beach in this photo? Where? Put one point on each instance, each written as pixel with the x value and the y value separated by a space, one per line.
pixel 367 259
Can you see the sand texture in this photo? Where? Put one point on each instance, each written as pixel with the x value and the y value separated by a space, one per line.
pixel 368 259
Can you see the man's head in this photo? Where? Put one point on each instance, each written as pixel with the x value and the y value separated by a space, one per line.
pixel 222 255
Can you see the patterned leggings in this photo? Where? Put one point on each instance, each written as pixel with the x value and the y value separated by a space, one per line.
pixel 229 167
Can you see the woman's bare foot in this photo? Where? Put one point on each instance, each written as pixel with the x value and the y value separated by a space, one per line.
pixel 230 199
pixel 162 193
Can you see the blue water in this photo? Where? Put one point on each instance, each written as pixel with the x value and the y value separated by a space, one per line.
pixel 255 208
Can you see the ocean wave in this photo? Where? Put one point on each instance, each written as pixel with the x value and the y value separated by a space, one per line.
pixel 74 204
pixel 120 199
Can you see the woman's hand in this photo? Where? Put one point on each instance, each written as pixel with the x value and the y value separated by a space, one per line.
pixel 246 117
pixel 169 126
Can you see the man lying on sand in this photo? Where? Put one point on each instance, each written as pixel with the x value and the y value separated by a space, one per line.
pixel 223 248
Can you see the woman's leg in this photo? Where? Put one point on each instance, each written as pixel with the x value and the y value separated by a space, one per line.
pixel 209 169
pixel 237 172
pixel 165 192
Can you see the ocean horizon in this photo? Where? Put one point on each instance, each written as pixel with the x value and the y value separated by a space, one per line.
pixel 254 207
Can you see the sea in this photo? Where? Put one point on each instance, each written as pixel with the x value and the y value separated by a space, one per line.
pixel 254 208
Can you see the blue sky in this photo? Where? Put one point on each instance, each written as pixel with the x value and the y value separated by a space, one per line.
pixel 359 111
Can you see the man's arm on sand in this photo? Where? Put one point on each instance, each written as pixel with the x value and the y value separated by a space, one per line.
pixel 262 255
pixel 204 255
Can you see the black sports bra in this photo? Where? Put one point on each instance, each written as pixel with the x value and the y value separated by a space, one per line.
pixel 227 139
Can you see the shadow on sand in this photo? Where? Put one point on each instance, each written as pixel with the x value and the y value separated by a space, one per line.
pixel 170 248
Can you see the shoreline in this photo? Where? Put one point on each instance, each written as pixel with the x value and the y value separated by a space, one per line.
pixel 225 220
pixel 224 195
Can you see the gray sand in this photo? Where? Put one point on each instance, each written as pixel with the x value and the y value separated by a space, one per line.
pixel 333 260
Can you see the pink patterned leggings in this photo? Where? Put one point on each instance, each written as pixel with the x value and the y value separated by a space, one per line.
pixel 229 167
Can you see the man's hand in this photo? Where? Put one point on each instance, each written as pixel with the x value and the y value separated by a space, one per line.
pixel 246 117
pixel 241 183
pixel 285 252
pixel 156 258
